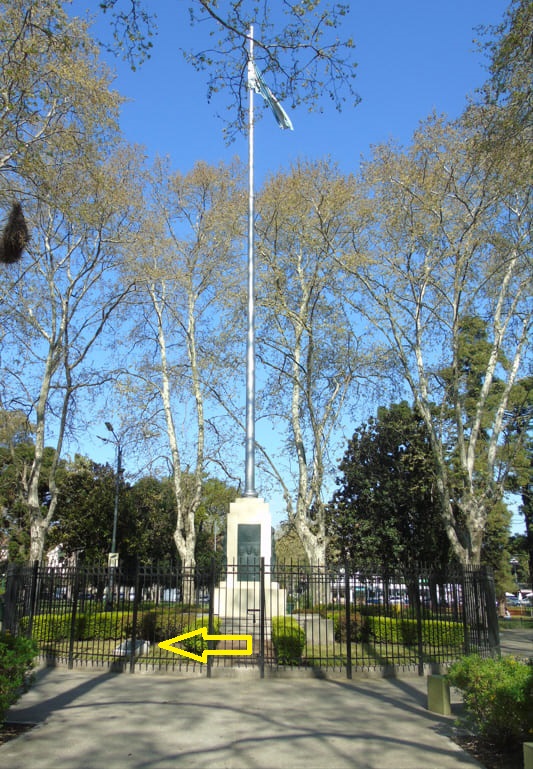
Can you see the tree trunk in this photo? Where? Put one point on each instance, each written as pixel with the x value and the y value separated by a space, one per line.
pixel 188 563
pixel 38 529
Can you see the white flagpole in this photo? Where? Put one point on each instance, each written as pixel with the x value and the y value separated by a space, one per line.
pixel 249 488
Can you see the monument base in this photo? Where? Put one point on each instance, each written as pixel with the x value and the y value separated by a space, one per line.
pixel 248 539
pixel 243 599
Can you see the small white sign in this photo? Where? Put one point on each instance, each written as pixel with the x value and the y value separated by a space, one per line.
pixel 112 560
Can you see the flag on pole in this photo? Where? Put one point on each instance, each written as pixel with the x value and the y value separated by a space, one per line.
pixel 256 81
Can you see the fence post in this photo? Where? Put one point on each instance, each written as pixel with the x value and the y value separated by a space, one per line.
pixel 134 619
pixel 262 617
pixel 465 597
pixel 211 629
pixel 347 607
pixel 73 618
pixel 33 596
pixel 418 612
pixel 493 628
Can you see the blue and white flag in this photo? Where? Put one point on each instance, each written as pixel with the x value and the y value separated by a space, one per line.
pixel 256 81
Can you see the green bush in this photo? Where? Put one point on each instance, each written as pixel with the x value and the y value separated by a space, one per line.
pixel 359 627
pixel 498 696
pixel 405 631
pixel 385 629
pixel 288 639
pixel 53 627
pixel 197 644
pixel 103 625
pixel 16 660
pixel 443 634
pixel 155 626
pixel 97 625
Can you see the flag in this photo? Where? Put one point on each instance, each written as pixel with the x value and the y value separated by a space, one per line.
pixel 256 81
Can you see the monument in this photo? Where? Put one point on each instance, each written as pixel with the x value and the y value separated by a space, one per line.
pixel 248 540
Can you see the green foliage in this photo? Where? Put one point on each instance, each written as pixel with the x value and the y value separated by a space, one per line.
pixel 197 644
pixel 289 548
pixel 153 626
pixel 386 507
pixel 105 625
pixel 288 639
pixel 50 627
pixel 17 453
pixel 156 626
pixel 146 516
pixel 98 625
pixel 85 511
pixel 498 696
pixel 16 660
pixel 405 631
pixel 359 627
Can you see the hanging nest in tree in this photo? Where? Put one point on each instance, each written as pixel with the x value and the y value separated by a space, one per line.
pixel 15 236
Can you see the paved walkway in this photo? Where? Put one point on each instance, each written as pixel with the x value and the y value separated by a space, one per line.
pixel 90 720
pixel 517 641
pixel 95 721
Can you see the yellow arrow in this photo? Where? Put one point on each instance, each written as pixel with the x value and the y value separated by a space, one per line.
pixel 168 645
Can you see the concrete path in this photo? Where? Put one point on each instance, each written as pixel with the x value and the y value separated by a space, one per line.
pixel 517 641
pixel 104 721
pixel 90 720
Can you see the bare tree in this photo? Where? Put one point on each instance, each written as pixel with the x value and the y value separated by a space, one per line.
pixel 54 316
pixel 51 87
pixel 306 336
pixel 187 272
pixel 299 44
pixel 448 240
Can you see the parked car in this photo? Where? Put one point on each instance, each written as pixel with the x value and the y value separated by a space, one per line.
pixel 514 600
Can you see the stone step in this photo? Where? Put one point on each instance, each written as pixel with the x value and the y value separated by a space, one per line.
pixel 245 626
pixel 245 660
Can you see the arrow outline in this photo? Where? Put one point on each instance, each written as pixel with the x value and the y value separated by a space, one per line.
pixel 203 631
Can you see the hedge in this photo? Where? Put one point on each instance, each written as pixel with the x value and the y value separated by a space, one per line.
pixel 405 631
pixel 98 626
pixel 359 627
pixel 288 639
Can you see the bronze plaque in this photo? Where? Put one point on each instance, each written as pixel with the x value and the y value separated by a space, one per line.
pixel 248 552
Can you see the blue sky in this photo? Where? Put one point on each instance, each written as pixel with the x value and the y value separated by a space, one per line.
pixel 413 58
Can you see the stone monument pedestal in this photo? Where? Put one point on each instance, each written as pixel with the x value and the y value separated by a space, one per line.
pixel 248 539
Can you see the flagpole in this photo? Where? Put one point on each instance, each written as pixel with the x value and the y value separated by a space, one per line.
pixel 249 487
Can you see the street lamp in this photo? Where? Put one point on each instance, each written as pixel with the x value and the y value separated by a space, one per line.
pixel 113 556
pixel 109 426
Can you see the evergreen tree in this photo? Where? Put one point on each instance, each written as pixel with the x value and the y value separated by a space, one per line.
pixel 387 510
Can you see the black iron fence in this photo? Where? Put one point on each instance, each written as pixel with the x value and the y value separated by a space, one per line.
pixel 329 619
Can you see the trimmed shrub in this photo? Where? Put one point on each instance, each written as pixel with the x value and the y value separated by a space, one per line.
pixel 288 639
pixel 405 631
pixel 359 627
pixel 104 625
pixel 498 696
pixel 385 629
pixel 98 625
pixel 197 644
pixel 155 626
pixel 53 627
pixel 16 660
pixel 443 634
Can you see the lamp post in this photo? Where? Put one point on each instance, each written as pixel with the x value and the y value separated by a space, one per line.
pixel 113 556
pixel 109 426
